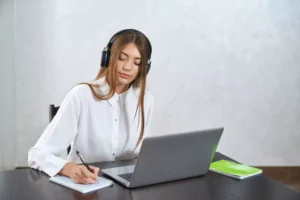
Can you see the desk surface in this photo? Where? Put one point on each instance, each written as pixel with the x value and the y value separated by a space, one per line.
pixel 32 184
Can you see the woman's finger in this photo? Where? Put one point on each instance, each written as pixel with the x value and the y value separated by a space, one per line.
pixel 95 170
pixel 87 174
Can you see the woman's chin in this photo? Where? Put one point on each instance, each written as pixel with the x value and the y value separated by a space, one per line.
pixel 123 81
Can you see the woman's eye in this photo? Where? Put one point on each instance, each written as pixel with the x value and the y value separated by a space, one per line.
pixel 137 63
pixel 120 58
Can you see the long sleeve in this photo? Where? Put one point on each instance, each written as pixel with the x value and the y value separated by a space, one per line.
pixel 57 137
pixel 147 130
pixel 149 120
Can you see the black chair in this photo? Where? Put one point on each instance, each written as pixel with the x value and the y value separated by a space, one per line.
pixel 52 112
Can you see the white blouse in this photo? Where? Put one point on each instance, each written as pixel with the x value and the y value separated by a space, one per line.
pixel 102 130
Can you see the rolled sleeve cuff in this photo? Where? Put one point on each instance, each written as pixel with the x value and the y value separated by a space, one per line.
pixel 53 165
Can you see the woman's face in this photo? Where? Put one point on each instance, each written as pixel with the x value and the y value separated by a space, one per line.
pixel 128 64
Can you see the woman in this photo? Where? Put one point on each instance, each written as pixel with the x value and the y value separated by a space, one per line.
pixel 105 119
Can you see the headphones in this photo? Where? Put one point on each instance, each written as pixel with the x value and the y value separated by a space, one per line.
pixel 106 50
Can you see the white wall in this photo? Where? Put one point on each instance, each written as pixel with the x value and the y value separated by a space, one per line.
pixel 7 86
pixel 215 63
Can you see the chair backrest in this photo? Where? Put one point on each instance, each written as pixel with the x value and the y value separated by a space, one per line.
pixel 52 112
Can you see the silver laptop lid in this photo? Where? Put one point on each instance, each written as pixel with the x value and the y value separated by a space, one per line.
pixel 177 156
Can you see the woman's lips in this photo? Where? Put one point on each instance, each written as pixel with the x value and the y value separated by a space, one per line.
pixel 124 75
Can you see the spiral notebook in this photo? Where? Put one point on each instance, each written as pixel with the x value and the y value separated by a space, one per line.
pixel 67 182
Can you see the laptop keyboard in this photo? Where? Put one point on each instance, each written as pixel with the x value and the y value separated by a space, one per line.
pixel 126 176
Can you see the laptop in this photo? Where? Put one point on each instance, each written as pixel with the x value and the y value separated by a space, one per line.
pixel 168 158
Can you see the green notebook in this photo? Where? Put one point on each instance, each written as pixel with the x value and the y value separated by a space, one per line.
pixel 233 169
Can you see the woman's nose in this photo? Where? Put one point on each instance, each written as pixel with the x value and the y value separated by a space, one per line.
pixel 128 65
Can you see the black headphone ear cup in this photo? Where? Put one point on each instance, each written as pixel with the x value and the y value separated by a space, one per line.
pixel 105 58
pixel 148 66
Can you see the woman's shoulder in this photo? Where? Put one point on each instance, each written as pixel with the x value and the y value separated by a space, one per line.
pixel 148 95
pixel 81 91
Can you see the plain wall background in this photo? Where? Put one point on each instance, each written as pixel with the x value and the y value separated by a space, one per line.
pixel 8 134
pixel 215 63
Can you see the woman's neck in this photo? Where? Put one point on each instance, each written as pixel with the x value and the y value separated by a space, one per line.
pixel 121 88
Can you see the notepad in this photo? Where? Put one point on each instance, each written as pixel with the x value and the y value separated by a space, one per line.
pixel 83 188
pixel 233 169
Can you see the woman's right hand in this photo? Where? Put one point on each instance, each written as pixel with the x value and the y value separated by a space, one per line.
pixel 79 173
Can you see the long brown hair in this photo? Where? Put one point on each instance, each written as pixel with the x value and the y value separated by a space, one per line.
pixel 139 82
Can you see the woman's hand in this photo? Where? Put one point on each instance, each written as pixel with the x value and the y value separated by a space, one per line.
pixel 79 173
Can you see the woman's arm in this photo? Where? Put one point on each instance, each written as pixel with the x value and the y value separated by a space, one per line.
pixel 149 120
pixel 147 130
pixel 57 137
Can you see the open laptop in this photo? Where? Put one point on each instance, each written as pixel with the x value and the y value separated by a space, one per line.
pixel 169 157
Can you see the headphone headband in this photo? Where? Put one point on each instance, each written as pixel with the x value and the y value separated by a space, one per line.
pixel 112 39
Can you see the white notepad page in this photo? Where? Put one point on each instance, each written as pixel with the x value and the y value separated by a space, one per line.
pixel 67 182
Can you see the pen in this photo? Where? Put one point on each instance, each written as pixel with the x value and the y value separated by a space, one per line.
pixel 83 161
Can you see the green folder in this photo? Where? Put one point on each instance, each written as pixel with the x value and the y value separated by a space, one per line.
pixel 233 169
